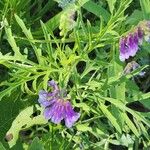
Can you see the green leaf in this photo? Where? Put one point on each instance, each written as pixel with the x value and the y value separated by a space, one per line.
pixel 84 106
pixel 83 127
pixel 121 105
pixel 36 145
pixel 97 10
pixel 111 118
pixel 2 147
pixel 142 97
pixel 146 102
pixel 135 17
pixel 10 107
pixel 28 34
pixel 12 41
pixel 47 37
pixel 145 5
pixel 51 24
pixel 45 79
pixel 23 121
pixel 131 125
pixel 9 90
pixel 111 4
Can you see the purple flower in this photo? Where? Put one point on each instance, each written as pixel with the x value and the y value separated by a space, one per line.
pixel 56 108
pixel 129 45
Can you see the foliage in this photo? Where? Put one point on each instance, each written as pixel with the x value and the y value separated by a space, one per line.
pixel 85 61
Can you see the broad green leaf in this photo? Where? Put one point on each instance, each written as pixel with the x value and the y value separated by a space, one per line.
pixel 10 108
pixel 135 17
pixel 146 102
pixel 51 24
pixel 122 106
pixel 24 121
pixel 131 124
pixel 97 10
pixel 111 118
pixel 36 145
pixel 145 5
pixel 2 147
pixel 82 2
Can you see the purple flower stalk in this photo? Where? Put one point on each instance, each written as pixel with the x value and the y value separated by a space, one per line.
pixel 56 108
pixel 129 45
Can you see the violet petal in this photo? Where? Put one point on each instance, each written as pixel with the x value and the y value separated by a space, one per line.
pixel 43 99
pixel 70 115
pixel 58 114
pixel 124 49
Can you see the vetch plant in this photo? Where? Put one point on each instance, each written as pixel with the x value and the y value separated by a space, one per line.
pixel 70 83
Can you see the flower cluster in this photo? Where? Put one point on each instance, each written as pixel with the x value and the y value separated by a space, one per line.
pixel 67 21
pixel 56 108
pixel 129 44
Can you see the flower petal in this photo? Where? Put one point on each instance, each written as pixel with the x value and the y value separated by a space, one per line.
pixel 124 49
pixel 133 44
pixel 49 111
pixel 44 99
pixel 128 46
pixel 70 115
pixel 55 112
pixel 69 121
pixel 58 115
